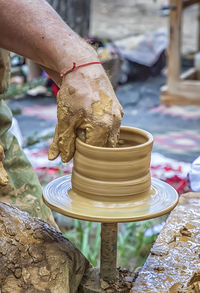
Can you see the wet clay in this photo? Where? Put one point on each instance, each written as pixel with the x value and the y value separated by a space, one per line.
pixel 59 196
pixel 34 257
pixel 111 185
pixel 118 172
pixel 173 265
pixel 87 104
pixel 3 174
pixel 129 138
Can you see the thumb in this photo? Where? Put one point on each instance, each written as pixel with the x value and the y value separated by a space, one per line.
pixel 53 149
pixel 113 137
pixel 67 144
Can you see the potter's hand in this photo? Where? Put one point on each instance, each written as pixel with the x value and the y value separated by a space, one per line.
pixel 3 174
pixel 86 104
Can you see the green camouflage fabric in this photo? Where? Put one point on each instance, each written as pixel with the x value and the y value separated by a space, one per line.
pixel 23 190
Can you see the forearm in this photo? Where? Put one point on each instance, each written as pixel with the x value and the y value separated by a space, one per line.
pixel 33 29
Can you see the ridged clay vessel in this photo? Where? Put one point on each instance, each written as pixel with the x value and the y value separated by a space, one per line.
pixel 112 184
pixel 114 173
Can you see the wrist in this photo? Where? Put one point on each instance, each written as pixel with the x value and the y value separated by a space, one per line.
pixel 80 53
pixel 86 73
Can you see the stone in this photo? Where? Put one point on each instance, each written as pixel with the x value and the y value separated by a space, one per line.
pixel 173 266
pixel 35 257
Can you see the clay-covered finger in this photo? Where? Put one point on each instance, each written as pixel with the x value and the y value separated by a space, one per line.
pixel 54 149
pixel 97 135
pixel 113 137
pixel 67 143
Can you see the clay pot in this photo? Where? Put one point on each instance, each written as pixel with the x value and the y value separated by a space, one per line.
pixel 104 173
pixel 112 185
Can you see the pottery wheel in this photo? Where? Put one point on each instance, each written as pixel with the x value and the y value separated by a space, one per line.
pixel 59 196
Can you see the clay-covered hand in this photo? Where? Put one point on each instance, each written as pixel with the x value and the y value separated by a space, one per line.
pixel 86 105
pixel 3 174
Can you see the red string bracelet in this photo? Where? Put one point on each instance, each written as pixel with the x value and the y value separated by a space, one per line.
pixel 74 67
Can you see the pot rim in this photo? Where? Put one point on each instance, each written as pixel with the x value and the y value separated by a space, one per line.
pixel 145 133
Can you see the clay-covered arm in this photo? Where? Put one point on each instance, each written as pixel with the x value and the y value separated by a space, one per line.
pixel 33 29
pixel 86 100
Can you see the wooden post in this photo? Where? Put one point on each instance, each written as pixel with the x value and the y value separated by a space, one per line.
pixel 198 44
pixel 108 251
pixel 174 51
pixel 187 3
pixel 181 89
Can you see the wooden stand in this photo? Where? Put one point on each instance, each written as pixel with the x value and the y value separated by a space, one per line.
pixel 108 261
pixel 108 251
pixel 183 89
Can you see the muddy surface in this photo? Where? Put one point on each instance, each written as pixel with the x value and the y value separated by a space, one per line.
pixel 123 283
pixel 34 257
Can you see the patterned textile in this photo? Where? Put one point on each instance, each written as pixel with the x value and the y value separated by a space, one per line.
pixel 23 190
